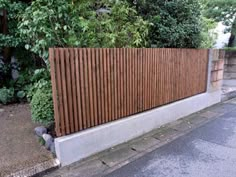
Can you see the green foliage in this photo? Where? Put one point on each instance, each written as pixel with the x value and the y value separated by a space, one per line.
pixel 230 48
pixel 42 105
pixel 14 9
pixel 62 23
pixel 41 141
pixel 39 80
pixel 5 73
pixel 207 33
pixel 6 95
pixel 21 94
pixel 175 23
pixel 223 11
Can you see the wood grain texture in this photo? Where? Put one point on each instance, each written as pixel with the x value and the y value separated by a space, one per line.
pixel 93 86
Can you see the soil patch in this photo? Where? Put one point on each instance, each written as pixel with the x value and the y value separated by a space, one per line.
pixel 19 147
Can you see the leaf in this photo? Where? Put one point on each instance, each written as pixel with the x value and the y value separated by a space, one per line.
pixel 21 94
pixel 27 46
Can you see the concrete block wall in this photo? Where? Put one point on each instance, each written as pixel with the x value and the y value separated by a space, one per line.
pixel 230 69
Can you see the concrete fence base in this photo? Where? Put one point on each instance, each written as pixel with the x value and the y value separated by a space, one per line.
pixel 80 145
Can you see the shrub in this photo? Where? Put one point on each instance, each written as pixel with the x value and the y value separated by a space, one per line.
pixel 105 23
pixel 42 105
pixel 175 23
pixel 39 80
pixel 6 95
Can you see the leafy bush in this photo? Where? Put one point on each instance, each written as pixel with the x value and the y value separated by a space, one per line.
pixel 39 80
pixel 175 23
pixel 5 73
pixel 208 34
pixel 42 105
pixel 105 23
pixel 14 9
pixel 6 95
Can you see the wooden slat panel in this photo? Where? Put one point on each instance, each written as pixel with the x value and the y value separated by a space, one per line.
pixel 95 86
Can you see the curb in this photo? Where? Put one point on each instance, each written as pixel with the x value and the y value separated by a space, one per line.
pixel 228 96
pixel 37 170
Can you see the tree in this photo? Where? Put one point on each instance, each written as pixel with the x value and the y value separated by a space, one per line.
pixel 10 38
pixel 223 11
pixel 61 23
pixel 175 23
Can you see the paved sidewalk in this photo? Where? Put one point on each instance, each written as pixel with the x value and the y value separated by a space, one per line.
pixel 202 144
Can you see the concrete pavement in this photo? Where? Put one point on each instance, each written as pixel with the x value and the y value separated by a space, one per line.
pixel 202 144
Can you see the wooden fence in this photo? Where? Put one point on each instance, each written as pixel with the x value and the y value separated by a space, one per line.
pixel 94 86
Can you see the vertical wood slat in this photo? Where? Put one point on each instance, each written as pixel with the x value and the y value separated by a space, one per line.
pixel 82 89
pixel 69 90
pixel 54 91
pixel 98 84
pixel 90 88
pixel 105 85
pixel 109 81
pixel 64 90
pixel 78 83
pixel 74 81
pixel 115 85
pixel 95 86
pixel 59 92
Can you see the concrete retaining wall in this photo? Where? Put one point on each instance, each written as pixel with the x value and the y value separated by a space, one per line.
pixel 77 146
pixel 80 145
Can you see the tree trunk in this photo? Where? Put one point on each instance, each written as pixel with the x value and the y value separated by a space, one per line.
pixel 231 40
pixel 233 34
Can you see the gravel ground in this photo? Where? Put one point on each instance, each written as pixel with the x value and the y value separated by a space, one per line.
pixel 19 147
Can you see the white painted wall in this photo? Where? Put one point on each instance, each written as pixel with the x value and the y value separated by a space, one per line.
pixel 222 38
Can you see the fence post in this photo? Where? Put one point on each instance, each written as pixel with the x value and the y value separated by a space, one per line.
pixel 210 56
pixel 216 69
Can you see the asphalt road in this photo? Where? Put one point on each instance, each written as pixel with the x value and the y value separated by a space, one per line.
pixel 208 151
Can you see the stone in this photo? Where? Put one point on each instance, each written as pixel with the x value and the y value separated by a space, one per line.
pixel 39 131
pixel 1 110
pixel 15 68
pixel 52 148
pixel 48 140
